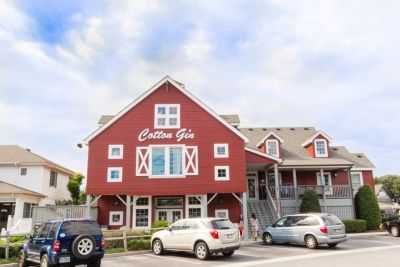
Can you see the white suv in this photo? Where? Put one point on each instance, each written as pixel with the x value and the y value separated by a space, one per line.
pixel 203 236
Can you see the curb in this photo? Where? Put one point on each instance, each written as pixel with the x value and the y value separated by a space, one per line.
pixel 355 235
pixel 9 265
pixel 122 254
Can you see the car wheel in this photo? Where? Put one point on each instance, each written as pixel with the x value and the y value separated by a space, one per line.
pixel 202 251
pixel 83 247
pixel 311 242
pixel 394 230
pixel 22 262
pixel 228 253
pixel 94 264
pixel 44 261
pixel 157 247
pixel 268 239
pixel 332 245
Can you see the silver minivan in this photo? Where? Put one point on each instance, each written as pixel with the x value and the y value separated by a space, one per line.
pixel 311 229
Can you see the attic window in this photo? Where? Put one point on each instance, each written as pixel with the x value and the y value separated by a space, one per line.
pixel 167 116
pixel 272 147
pixel 321 148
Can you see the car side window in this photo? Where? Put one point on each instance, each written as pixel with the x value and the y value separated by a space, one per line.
pixel 177 226
pixel 53 230
pixel 37 232
pixel 45 230
pixel 298 221
pixel 190 226
pixel 281 222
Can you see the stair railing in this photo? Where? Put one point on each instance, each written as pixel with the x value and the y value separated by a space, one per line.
pixel 272 206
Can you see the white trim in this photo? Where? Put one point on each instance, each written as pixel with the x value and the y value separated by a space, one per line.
pixel 121 152
pixel 263 154
pixel 121 220
pixel 167 162
pixel 217 168
pixel 267 136
pixel 226 211
pixel 167 116
pixel 330 192
pixel 143 159
pixel 361 177
pixel 276 144
pixel 362 169
pixel 216 155
pixel 317 155
pixel 149 211
pixel 109 170
pixel 311 139
pixel 151 90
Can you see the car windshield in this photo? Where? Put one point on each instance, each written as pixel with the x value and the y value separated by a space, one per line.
pixel 331 220
pixel 222 224
pixel 80 227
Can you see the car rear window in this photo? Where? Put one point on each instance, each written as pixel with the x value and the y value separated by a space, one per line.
pixel 331 220
pixel 219 224
pixel 80 228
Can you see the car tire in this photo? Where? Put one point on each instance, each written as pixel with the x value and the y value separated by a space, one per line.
pixel 228 253
pixel 332 245
pixel 311 242
pixel 157 247
pixel 83 247
pixel 394 231
pixel 267 238
pixel 96 263
pixel 22 262
pixel 44 261
pixel 202 251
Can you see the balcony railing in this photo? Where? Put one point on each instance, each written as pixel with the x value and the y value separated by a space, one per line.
pixel 326 192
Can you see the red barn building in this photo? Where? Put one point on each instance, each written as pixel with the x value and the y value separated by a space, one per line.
pixel 168 156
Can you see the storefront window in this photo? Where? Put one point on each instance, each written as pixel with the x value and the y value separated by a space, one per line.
pixel 142 217
pixel 194 212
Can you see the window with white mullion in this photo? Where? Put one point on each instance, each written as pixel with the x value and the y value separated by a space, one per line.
pixel 166 161
pixel 167 116
pixel 321 148
pixel 273 147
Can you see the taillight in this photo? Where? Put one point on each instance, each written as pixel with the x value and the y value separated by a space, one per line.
pixel 323 230
pixel 102 243
pixel 214 234
pixel 56 246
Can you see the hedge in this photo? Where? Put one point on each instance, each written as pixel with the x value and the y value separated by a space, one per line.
pixel 160 224
pixel 355 226
pixel 13 252
pixel 367 207
pixel 310 202
pixel 139 244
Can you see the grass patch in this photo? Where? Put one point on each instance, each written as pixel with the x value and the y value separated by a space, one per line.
pixel 11 260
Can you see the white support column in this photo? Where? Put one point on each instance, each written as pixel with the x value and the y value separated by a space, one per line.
pixel 87 211
pixel 277 191
pixel 245 216
pixel 296 195
pixel 128 211
pixel 321 173
pixel 205 205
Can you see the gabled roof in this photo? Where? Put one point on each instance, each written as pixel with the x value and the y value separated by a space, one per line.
pixel 265 155
pixel 311 139
pixel 178 86
pixel 262 141
pixel 379 187
pixel 105 118
pixel 360 160
pixel 14 154
pixel 232 119
pixel 6 188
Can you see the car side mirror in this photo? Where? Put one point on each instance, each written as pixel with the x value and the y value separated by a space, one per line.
pixel 28 236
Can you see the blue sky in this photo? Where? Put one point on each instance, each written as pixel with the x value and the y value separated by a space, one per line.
pixel 330 64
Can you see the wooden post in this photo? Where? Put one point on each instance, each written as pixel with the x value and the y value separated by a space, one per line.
pixel 322 181
pixel 7 250
pixel 277 190
pixel 296 194
pixel 128 211
pixel 125 240
pixel 245 216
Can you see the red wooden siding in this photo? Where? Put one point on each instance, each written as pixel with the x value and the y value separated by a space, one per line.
pixel 252 158
pixel 225 201
pixel 368 179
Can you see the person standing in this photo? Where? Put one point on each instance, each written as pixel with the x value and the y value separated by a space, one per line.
pixel 254 226
pixel 241 226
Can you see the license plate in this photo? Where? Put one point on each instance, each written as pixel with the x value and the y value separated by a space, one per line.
pixel 230 236
pixel 64 259
pixel 338 230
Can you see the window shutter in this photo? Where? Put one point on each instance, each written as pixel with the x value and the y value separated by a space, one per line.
pixel 142 161
pixel 191 160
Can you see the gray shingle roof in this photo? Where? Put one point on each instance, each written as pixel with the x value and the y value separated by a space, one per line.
pixel 232 119
pixel 105 118
pixel 14 154
pixel 294 154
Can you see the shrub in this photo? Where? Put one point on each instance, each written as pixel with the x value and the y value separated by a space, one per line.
pixel 160 224
pixel 138 244
pixel 13 252
pixel 310 202
pixel 355 226
pixel 367 207
pixel 17 239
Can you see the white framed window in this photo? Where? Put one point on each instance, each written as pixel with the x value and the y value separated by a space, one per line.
pixel 53 179
pixel 116 218
pixel 221 151
pixel 272 147
pixel 114 174
pixel 326 181
pixel 115 152
pixel 321 148
pixel 166 161
pixel 221 173
pixel 194 206
pixel 356 180
pixel 142 212
pixel 167 116
pixel 223 214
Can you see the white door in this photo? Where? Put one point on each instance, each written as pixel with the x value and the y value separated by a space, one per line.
pixel 169 215
pixel 252 186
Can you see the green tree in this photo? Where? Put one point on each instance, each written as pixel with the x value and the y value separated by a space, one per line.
pixel 391 182
pixel 74 187
pixel 367 207
pixel 310 202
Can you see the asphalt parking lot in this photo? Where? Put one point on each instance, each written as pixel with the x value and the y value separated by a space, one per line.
pixel 357 251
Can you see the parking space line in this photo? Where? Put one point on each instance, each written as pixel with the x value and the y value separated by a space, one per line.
pixel 173 259
pixel 281 247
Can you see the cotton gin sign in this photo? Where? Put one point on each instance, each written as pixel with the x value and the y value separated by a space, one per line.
pixel 180 135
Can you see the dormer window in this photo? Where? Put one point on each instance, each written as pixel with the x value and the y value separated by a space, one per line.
pixel 272 147
pixel 167 116
pixel 321 148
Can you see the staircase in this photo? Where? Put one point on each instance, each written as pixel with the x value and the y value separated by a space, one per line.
pixel 263 211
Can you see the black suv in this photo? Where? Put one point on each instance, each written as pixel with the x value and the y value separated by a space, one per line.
pixel 65 242
pixel 394 227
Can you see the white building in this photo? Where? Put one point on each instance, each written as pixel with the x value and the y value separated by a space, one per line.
pixel 26 180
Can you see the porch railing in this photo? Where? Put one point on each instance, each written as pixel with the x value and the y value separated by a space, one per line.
pixel 327 192
pixel 285 192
